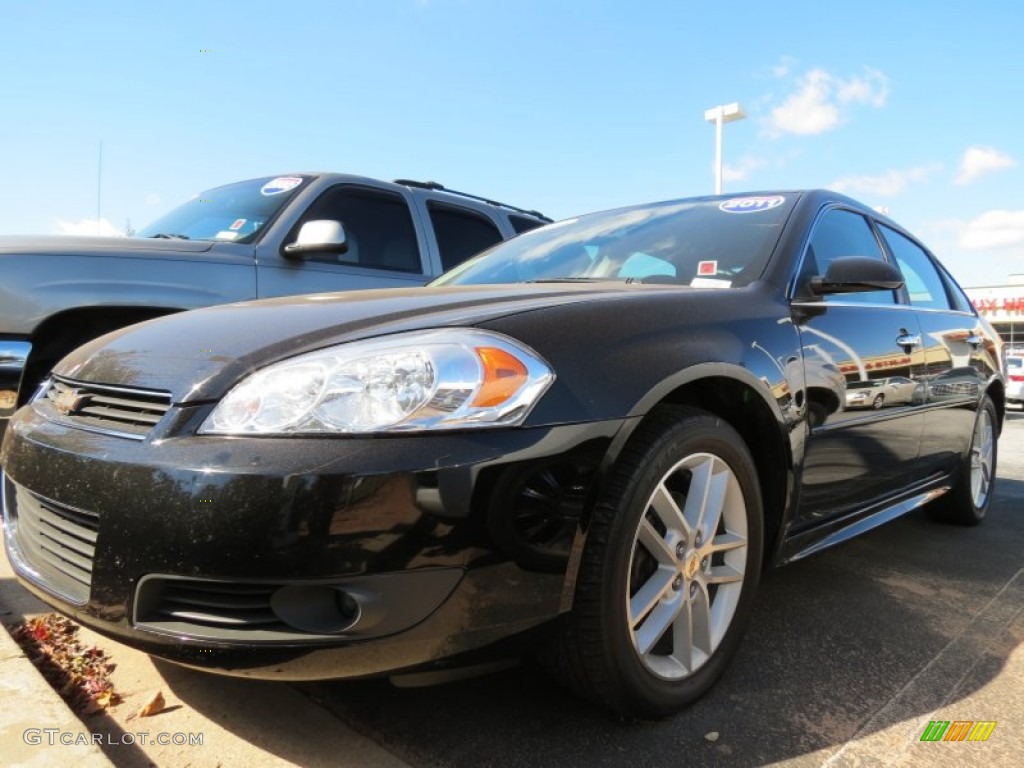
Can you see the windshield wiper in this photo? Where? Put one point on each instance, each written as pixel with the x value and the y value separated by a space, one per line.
pixel 651 279
pixel 577 280
pixel 163 236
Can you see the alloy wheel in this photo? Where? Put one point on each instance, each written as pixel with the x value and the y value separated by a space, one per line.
pixel 687 566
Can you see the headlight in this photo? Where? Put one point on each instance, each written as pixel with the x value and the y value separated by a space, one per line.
pixel 442 379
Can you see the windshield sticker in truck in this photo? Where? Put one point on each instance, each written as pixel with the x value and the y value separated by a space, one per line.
pixel 751 204
pixel 707 268
pixel 237 224
pixel 225 234
pixel 280 184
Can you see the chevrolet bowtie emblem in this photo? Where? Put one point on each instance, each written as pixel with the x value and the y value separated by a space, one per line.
pixel 68 401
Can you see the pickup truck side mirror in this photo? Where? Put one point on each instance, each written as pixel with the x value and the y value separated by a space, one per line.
pixel 856 274
pixel 319 236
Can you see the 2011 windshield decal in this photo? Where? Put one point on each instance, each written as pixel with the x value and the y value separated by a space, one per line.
pixel 751 204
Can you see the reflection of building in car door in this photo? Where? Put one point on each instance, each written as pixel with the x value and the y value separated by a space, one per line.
pixel 958 358
pixel 855 451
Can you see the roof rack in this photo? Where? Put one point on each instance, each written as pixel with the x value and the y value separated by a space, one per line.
pixel 433 185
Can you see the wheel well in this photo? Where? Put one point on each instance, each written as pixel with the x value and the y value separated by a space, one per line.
pixel 746 412
pixel 59 334
pixel 998 395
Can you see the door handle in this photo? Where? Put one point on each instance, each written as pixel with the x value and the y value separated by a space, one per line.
pixel 909 340
pixel 974 340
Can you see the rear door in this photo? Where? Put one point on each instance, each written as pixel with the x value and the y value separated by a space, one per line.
pixel 960 355
pixel 857 448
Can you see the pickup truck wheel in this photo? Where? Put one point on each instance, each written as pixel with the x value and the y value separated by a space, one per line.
pixel 669 569
pixel 967 502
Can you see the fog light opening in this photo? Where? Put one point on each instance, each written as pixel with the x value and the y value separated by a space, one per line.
pixel 322 609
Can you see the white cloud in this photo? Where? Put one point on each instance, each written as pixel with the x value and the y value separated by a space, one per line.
pixel 814 107
pixel 977 161
pixel 993 229
pixel 742 170
pixel 887 184
pixel 86 227
pixel 808 110
pixel 871 89
pixel 783 67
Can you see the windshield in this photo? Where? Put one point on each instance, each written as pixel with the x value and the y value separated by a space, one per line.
pixel 234 212
pixel 863 384
pixel 703 242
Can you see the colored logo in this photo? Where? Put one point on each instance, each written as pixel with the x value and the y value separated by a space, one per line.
pixel 958 730
pixel 280 184
pixel 751 204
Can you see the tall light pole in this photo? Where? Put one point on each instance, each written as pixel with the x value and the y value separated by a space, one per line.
pixel 723 113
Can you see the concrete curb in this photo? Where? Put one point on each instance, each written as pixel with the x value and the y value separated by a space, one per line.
pixel 32 715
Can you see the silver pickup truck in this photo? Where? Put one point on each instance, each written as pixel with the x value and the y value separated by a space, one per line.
pixel 291 234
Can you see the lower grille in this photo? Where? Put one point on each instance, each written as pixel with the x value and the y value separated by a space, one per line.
pixel 215 604
pixel 211 610
pixel 57 542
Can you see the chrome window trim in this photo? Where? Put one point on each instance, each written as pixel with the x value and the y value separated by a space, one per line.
pixel 795 276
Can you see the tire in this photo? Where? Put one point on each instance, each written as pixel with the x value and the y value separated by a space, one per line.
pixel 967 502
pixel 878 402
pixel 649 566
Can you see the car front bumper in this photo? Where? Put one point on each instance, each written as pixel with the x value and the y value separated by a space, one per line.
pixel 296 558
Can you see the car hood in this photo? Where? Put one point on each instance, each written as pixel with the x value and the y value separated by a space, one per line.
pixel 199 355
pixel 100 246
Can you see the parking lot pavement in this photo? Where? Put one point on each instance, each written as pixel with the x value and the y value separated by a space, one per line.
pixel 850 654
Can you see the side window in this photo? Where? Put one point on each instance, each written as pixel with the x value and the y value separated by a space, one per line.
pixel 843 233
pixel 924 284
pixel 960 301
pixel 378 228
pixel 523 224
pixel 461 233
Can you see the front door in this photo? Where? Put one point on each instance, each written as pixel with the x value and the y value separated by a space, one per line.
pixel 864 366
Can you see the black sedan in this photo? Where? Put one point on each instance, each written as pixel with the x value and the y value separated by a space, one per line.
pixel 591 438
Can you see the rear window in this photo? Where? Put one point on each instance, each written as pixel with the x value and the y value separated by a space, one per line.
pixel 523 224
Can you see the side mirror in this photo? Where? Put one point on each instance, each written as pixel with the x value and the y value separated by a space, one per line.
pixel 856 274
pixel 320 236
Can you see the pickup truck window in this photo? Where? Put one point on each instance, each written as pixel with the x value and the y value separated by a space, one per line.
pixel 235 212
pixel 461 233
pixel 378 228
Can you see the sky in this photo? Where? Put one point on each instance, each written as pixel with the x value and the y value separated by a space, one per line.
pixel 562 106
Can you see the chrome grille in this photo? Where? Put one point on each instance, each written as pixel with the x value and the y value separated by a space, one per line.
pixel 56 542
pixel 116 410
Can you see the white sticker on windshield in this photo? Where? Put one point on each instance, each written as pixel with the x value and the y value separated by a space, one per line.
pixel 710 282
pixel 751 204
pixel 280 184
pixel 225 234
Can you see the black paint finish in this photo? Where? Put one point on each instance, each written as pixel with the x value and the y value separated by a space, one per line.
pixel 506 507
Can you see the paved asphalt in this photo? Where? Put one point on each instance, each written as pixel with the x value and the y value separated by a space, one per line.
pixel 849 655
